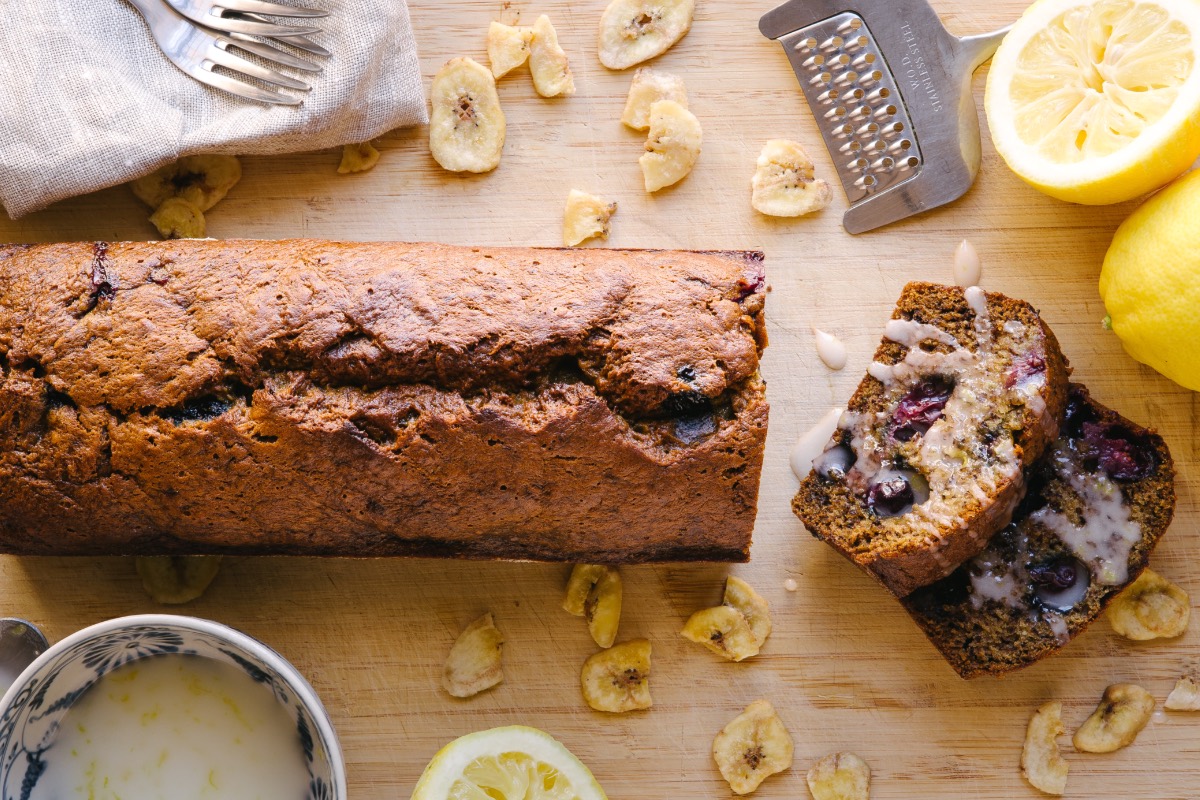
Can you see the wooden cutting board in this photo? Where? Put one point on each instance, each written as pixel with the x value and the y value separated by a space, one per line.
pixel 845 666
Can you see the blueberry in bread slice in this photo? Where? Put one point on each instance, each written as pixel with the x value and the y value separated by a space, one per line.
pixel 964 394
pixel 1096 507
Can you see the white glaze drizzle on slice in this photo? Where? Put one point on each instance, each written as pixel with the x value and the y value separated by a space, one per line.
pixel 997 579
pixel 813 442
pixel 1000 579
pixel 967 267
pixel 1108 532
pixel 830 349
pixel 911 333
pixel 1058 625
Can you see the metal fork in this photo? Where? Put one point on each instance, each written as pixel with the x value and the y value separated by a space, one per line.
pixel 300 42
pixel 211 14
pixel 197 51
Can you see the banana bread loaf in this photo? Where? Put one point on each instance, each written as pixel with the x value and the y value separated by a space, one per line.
pixel 328 398
pixel 1096 507
pixel 965 392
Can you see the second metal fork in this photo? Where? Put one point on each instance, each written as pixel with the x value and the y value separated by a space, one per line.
pixel 198 52
pixel 216 14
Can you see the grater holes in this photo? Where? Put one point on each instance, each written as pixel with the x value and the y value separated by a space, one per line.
pixel 857 103
pixel 855 44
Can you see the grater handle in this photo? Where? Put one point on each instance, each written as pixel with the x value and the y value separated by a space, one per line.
pixel 978 49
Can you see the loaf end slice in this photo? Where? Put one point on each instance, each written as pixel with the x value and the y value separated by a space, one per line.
pixel 1096 507
pixel 964 393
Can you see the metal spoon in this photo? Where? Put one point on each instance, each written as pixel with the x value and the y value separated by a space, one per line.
pixel 20 643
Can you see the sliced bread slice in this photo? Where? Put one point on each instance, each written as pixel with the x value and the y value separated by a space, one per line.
pixel 965 392
pixel 1095 509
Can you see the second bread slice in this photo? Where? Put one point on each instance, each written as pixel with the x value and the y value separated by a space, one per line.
pixel 1095 509
pixel 965 392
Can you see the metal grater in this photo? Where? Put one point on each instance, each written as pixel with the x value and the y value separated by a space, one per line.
pixel 891 92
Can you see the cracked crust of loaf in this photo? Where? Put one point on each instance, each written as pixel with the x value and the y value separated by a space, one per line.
pixel 900 561
pixel 350 399
pixel 997 638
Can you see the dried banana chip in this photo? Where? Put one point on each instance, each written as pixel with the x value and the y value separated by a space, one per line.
pixel 1185 696
pixel 784 184
pixel 1150 608
pixel 753 747
pixel 603 608
pixel 1123 712
pixel 201 180
pixel 724 631
pixel 647 88
pixel 466 124
pixel 841 776
pixel 177 218
pixel 547 62
pixel 632 31
pixel 173 580
pixel 618 679
pixel 753 606
pixel 672 146
pixel 507 47
pixel 584 578
pixel 475 660
pixel 1041 763
pixel 358 158
pixel 586 216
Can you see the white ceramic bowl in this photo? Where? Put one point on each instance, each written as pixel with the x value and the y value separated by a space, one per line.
pixel 34 706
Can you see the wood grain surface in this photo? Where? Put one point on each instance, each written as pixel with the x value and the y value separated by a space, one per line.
pixel 845 667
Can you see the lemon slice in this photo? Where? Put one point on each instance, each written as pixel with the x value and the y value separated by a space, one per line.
pixel 512 763
pixel 1098 102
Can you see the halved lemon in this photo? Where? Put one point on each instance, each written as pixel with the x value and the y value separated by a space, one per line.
pixel 1098 101
pixel 511 763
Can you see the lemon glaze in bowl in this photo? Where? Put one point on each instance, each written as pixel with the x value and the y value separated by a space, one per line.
pixel 35 707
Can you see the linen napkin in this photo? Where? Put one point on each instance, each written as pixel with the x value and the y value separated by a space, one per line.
pixel 87 100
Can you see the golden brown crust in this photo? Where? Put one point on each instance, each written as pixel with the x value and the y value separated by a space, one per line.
pixel 379 399
pixel 903 560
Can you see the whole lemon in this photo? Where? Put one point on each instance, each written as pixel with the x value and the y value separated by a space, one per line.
pixel 1150 282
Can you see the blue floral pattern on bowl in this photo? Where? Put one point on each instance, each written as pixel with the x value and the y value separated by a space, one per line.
pixel 34 707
